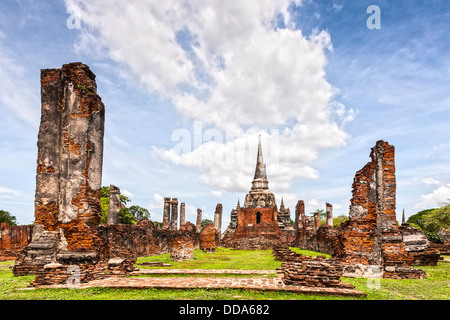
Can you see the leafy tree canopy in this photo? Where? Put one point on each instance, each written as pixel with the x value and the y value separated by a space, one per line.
pixel 6 217
pixel 322 213
pixel 438 219
pixel 432 221
pixel 126 215
pixel 418 219
pixel 206 222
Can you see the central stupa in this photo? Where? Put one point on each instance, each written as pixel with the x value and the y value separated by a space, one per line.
pixel 255 225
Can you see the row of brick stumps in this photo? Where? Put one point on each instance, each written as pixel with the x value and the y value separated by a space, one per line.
pixel 303 270
pixel 190 236
pixel 311 235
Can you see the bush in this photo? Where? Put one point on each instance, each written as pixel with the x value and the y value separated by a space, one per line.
pixel 434 237
pixel 6 217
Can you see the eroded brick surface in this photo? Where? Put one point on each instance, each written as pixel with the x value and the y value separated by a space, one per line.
pixel 13 239
pixel 371 235
pixel 70 153
pixel 208 238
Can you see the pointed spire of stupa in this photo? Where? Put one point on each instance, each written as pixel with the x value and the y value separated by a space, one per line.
pixel 238 206
pixel 260 179
pixel 403 217
pixel 260 171
pixel 282 205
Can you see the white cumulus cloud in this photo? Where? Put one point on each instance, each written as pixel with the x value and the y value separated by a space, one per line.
pixel 435 198
pixel 230 66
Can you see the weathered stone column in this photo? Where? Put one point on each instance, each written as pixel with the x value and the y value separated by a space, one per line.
pixel 329 210
pixel 199 220
pixel 218 223
pixel 182 214
pixel 70 154
pixel 218 218
pixel 299 215
pixel 174 214
pixel 166 213
pixel 316 221
pixel 114 205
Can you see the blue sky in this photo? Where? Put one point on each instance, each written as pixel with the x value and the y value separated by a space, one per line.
pixel 189 85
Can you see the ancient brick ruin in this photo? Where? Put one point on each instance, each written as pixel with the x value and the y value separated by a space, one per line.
pixel 310 234
pixel 256 225
pixel 371 236
pixel 69 171
pixel 418 246
pixel 114 205
pixel 70 154
pixel 67 234
pixel 13 239
pixel 68 237
pixel 302 270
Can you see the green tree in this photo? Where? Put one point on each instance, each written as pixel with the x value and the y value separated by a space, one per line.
pixel 432 221
pixel 439 219
pixel 418 219
pixel 322 213
pixel 339 219
pixel 206 222
pixel 139 213
pixel 125 216
pixel 6 217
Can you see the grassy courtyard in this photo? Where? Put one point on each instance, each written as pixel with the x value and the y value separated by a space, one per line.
pixel 435 287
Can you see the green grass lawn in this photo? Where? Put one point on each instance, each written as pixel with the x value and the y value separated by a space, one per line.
pixel 435 287
pixel 223 259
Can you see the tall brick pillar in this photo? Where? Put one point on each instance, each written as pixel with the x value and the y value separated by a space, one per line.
pixel 218 223
pixel 329 211
pixel 70 154
pixel 198 225
pixel 218 218
pixel 299 213
pixel 114 205
pixel 174 214
pixel 182 214
pixel 300 222
pixel 316 221
pixel 166 217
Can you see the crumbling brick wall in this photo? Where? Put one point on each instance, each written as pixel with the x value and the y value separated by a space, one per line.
pixel 13 239
pixel 183 242
pixel 371 235
pixel 257 229
pixel 208 238
pixel 316 272
pixel 322 240
pixel 75 274
pixel 124 240
pixel 303 270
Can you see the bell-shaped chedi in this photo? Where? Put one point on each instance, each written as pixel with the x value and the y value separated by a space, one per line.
pixel 257 226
